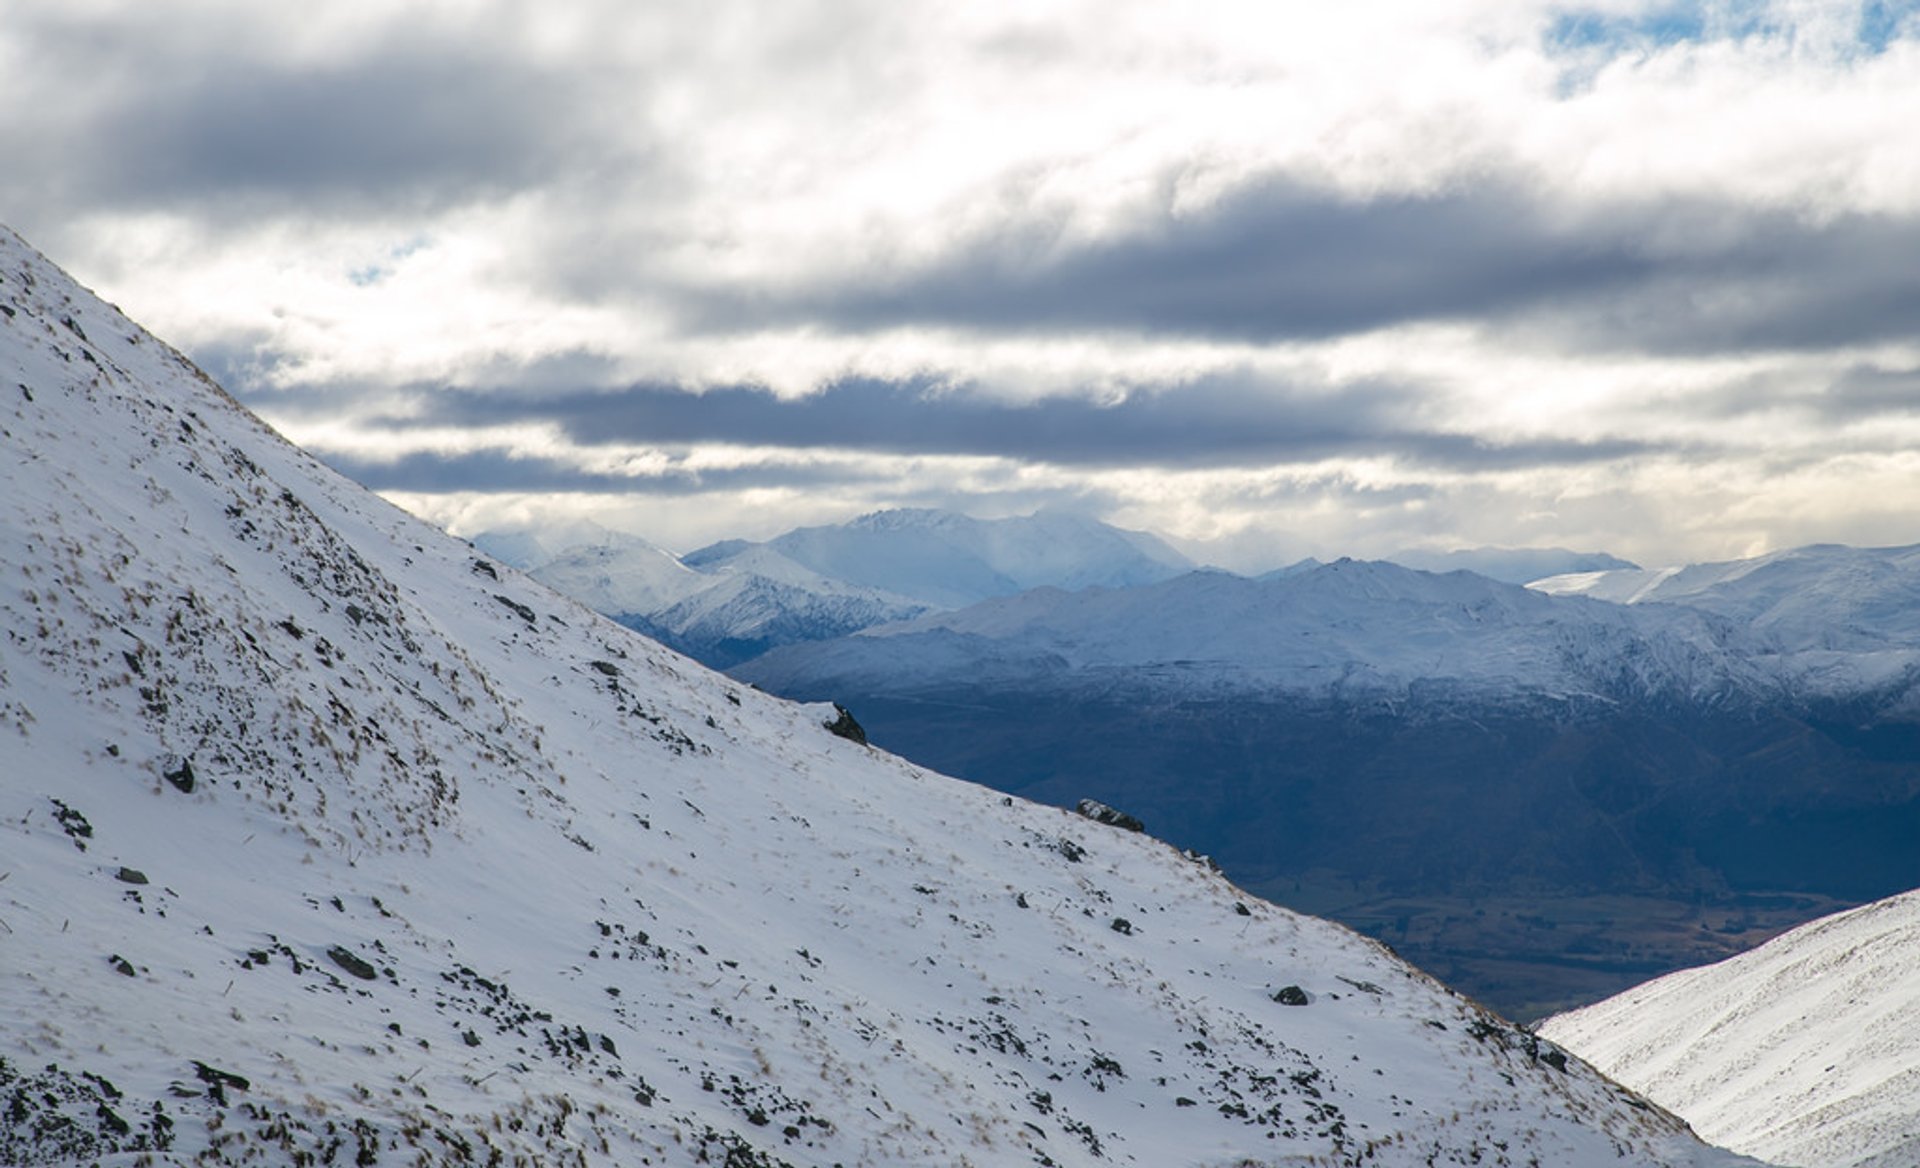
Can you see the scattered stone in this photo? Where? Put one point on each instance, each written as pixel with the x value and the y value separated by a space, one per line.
pixel 1241 909
pixel 121 965
pixel 482 568
pixel 606 667
pixel 1291 995
pixel 130 876
pixel 1122 926
pixel 1101 813
pixel 73 823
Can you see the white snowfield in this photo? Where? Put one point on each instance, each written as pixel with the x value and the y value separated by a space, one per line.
pixel 325 841
pixel 1801 1051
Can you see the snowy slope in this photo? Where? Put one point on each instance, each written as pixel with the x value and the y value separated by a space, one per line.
pixel 1801 1051
pixel 946 560
pixel 323 840
pixel 1344 629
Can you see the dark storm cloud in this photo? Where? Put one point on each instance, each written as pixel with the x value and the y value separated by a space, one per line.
pixel 1867 391
pixel 1216 422
pixel 1283 261
pixel 403 127
pixel 503 472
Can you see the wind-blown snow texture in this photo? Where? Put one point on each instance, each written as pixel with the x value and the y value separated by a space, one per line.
pixel 324 841
pixel 1801 1051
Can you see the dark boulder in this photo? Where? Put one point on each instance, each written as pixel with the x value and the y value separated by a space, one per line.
pixel 844 725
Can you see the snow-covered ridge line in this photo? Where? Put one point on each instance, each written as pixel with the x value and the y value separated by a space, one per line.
pixel 1799 1051
pixel 326 840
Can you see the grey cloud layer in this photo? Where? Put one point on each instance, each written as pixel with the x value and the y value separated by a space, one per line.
pixel 1282 261
pixel 1217 422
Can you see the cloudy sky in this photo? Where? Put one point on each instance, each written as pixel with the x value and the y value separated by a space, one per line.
pixel 1300 278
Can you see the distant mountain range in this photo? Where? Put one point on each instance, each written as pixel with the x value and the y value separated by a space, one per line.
pixel 329 841
pixel 731 601
pixel 1800 1051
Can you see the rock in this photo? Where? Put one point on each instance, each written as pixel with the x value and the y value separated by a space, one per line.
pixel 1122 926
pixel 121 965
pixel 350 961
pixel 1101 813
pixel 844 726
pixel 130 876
pixel 178 771
pixel 1291 995
pixel 520 610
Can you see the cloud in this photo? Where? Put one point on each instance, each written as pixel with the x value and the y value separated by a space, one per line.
pixel 1220 421
pixel 1477 260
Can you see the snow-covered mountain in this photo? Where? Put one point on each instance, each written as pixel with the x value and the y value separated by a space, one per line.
pixel 1511 565
pixel 732 609
pixel 732 601
pixel 946 560
pixel 1808 599
pixel 1838 623
pixel 1351 629
pixel 1801 1051
pixel 323 840
pixel 615 574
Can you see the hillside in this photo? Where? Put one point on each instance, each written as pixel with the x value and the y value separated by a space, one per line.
pixel 327 841
pixel 1800 1051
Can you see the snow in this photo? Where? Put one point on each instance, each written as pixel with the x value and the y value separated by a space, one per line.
pixel 1348 628
pixel 442 868
pixel 1800 1051
pixel 1831 620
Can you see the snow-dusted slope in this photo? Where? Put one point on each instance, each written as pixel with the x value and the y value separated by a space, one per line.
pixel 946 560
pixel 324 841
pixel 1801 1051
pixel 1347 629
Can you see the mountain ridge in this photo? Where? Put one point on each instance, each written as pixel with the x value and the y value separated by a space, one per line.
pixel 1795 1051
